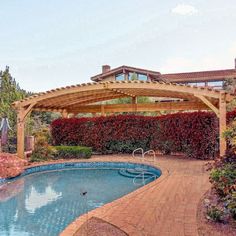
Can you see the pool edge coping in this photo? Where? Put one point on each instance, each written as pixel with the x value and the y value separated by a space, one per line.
pixel 61 161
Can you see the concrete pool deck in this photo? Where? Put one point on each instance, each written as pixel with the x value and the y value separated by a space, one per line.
pixel 167 206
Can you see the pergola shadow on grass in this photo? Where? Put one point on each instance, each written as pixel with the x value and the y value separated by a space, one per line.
pixel 82 98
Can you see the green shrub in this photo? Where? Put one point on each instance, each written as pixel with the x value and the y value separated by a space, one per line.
pixel 70 152
pixel 215 214
pixel 223 178
pixel 223 174
pixel 42 136
pixel 42 153
pixel 232 204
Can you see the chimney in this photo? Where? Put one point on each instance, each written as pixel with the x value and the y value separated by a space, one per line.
pixel 105 68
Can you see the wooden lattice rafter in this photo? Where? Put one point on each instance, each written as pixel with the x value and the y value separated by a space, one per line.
pixel 83 98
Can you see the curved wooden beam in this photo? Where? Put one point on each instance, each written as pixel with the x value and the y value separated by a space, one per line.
pixel 168 88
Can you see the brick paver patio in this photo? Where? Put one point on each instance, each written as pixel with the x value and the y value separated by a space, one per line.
pixel 167 206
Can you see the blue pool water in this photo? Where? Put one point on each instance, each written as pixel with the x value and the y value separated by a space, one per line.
pixel 44 203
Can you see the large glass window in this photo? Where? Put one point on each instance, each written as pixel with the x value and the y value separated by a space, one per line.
pixel 120 77
pixel 197 84
pixel 215 84
pixel 142 77
pixel 133 76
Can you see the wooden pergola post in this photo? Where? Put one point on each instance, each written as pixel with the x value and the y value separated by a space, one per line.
pixel 103 110
pixel 134 102
pixel 64 114
pixel 222 123
pixel 20 135
pixel 22 113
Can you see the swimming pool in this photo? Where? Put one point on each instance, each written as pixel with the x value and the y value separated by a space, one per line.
pixel 45 199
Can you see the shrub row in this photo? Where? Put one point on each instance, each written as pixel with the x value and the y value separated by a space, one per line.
pixel 70 152
pixel 46 152
pixel 195 134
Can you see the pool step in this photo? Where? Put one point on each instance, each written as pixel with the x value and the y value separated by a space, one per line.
pixel 131 173
pixel 137 171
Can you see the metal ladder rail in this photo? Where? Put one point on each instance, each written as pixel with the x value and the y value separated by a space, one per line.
pixel 150 152
pixel 143 179
pixel 144 153
pixel 138 149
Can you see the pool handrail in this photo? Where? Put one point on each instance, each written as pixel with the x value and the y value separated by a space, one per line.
pixel 138 149
pixel 144 153
pixel 143 178
pixel 150 152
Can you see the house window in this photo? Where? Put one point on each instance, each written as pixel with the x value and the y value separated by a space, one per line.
pixel 120 77
pixel 200 84
pixel 142 77
pixel 216 84
pixel 135 76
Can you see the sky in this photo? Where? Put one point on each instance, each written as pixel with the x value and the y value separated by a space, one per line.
pixel 55 43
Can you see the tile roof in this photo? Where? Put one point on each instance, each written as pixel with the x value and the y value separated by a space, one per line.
pixel 200 75
pixel 171 77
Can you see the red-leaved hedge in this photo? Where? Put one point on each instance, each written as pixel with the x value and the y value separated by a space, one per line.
pixel 231 115
pixel 195 134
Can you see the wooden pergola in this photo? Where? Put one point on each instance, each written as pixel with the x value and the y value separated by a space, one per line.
pixel 84 98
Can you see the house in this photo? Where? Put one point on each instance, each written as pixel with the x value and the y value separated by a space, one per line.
pixel 213 78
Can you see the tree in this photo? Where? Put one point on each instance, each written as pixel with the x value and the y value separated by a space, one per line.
pixel 9 92
pixel 41 120
pixel 134 76
pixel 230 86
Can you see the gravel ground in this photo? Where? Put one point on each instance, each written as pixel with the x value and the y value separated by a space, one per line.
pixel 97 227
